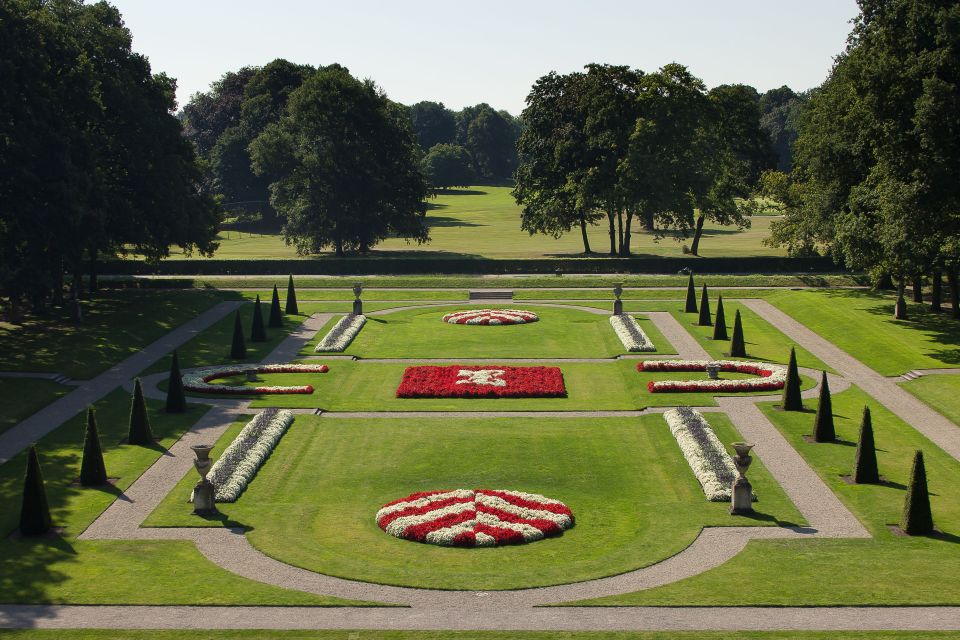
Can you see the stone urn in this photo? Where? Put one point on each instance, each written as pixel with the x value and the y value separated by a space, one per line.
pixel 713 370
pixel 203 491
pixel 741 492
pixel 617 304
pixel 251 375
pixel 357 304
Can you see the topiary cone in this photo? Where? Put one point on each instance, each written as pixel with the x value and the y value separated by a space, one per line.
pixel 291 309
pixel 34 511
pixel 93 472
pixel 865 469
pixel 705 320
pixel 720 326
pixel 276 314
pixel 823 429
pixel 691 306
pixel 238 350
pixel 917 519
pixel 176 398
pixel 257 331
pixel 738 348
pixel 139 432
pixel 792 401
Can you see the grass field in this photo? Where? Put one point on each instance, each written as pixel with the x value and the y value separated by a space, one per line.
pixel 22 397
pixel 942 392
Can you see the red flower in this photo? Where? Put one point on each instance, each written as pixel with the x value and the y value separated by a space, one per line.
pixel 488 381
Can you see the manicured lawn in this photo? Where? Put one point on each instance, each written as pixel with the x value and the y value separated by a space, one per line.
pixel 861 323
pixel 940 392
pixel 167 634
pixel 313 502
pixel 375 295
pixel 22 397
pixel 116 324
pixel 631 294
pixel 886 570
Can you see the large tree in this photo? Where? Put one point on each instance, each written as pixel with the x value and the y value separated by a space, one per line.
pixel 447 165
pixel 210 113
pixel 346 168
pixel 433 124
pixel 780 112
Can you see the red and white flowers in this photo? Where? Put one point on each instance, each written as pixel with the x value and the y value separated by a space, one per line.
pixel 772 377
pixel 342 333
pixel 198 380
pixel 488 381
pixel 705 454
pixel 474 517
pixel 630 333
pixel 491 317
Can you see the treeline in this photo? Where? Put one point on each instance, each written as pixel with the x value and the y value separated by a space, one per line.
pixel 92 161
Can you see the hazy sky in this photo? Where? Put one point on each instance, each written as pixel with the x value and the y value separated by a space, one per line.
pixel 464 53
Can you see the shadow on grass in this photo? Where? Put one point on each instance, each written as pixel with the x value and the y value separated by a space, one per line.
pixel 759 516
pixel 445 221
pixel 460 192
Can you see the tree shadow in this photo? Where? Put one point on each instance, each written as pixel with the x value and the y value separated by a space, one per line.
pixel 459 192
pixel 445 221
pixel 759 516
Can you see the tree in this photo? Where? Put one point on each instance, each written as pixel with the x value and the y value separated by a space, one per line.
pixel 257 331
pixel 93 472
pixel 917 519
pixel 433 124
pixel 823 429
pixel 738 347
pixel 139 431
pixel 238 346
pixel 176 399
pixel 291 309
pixel 704 320
pixel 447 165
pixel 345 165
pixel 691 304
pixel 492 143
pixel 720 325
pixel 34 511
pixel 865 469
pixel 276 314
pixel 792 400
pixel 209 114
pixel 780 111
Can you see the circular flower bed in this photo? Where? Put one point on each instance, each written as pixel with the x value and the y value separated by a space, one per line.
pixel 474 517
pixel 491 317
pixel 199 380
pixel 772 377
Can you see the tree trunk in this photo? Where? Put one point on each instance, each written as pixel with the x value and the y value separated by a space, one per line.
pixel 338 247
pixel 625 249
pixel 57 293
pixel 14 316
pixel 648 222
pixel 93 285
pixel 613 233
pixel 900 308
pixel 76 284
pixel 936 291
pixel 954 291
pixel 695 247
pixel 885 283
pixel 583 233
pixel 918 288
pixel 620 231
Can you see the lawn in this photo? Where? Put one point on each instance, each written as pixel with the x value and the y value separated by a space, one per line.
pixel 861 323
pixel 313 503
pixel 942 392
pixel 22 397
pixel 884 571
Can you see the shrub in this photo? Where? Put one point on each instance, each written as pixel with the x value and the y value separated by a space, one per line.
pixel 93 472
pixel 238 350
pixel 865 469
pixel 792 401
pixel 139 432
pixel 276 314
pixel 917 519
pixel 176 400
pixel 291 309
pixel 704 320
pixel 257 332
pixel 691 306
pixel 720 326
pixel 738 347
pixel 823 429
pixel 34 510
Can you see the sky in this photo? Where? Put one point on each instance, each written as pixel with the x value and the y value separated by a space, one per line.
pixel 466 53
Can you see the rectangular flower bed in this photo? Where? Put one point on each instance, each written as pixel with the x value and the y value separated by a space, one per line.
pixel 706 455
pixel 631 335
pixel 342 333
pixel 489 381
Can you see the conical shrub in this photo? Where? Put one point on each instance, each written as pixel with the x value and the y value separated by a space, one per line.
pixel 917 519
pixel 276 314
pixel 865 470
pixel 257 331
pixel 291 309
pixel 238 350
pixel 93 472
pixel 705 320
pixel 139 432
pixel 738 347
pixel 720 325
pixel 792 401
pixel 691 306
pixel 34 510
pixel 176 398
pixel 823 429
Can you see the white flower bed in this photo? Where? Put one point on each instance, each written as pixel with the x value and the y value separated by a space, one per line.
pixel 705 454
pixel 240 461
pixel 630 333
pixel 342 333
pixel 772 377
pixel 198 380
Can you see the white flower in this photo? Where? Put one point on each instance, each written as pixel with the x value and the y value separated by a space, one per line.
pixel 491 317
pixel 705 454
pixel 772 376
pixel 630 333
pixel 342 333
pixel 199 379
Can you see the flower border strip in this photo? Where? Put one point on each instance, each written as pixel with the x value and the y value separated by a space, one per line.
pixel 199 380
pixel 709 461
pixel 342 333
pixel 631 335
pixel 491 317
pixel 244 456
pixel 772 377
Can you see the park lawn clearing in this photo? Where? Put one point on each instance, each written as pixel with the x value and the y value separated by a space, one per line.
pixel 374 295
pixel 884 571
pixel 861 323
pixel 313 503
pixel 22 397
pixel 940 392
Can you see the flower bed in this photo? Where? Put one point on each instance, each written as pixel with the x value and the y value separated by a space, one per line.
pixel 241 460
pixel 198 380
pixel 630 333
pixel 474 517
pixel 772 377
pixel 491 317
pixel 456 381
pixel 705 454
pixel 342 333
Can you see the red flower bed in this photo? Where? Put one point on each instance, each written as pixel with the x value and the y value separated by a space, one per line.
pixel 771 377
pixel 457 381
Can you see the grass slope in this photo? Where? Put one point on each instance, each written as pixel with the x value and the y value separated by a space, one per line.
pixel 942 393
pixel 22 397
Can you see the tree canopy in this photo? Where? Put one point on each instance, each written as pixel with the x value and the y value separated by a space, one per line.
pixel 447 165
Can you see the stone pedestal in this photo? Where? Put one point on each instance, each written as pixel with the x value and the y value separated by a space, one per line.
pixel 713 371
pixel 251 375
pixel 741 492
pixel 617 304
pixel 204 492
pixel 357 303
